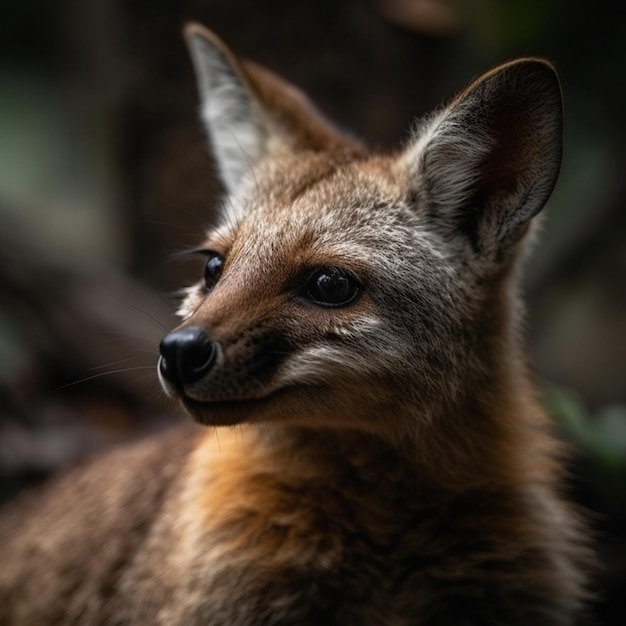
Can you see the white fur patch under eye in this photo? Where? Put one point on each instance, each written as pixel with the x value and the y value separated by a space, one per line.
pixel 317 364
pixel 358 327
pixel 321 362
pixel 190 303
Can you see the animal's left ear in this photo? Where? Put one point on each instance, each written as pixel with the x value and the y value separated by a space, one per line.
pixel 485 165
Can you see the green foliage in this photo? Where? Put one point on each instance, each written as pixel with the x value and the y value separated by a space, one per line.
pixel 601 435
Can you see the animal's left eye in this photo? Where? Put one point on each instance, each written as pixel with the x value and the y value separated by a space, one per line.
pixel 331 287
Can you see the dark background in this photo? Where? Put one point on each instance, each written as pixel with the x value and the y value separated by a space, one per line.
pixel 104 176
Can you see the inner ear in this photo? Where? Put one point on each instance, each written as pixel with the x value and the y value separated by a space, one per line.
pixel 488 163
pixel 524 121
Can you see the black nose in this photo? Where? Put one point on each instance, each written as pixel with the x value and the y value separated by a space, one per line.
pixel 187 355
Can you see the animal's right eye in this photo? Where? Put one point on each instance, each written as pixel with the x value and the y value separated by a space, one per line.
pixel 213 269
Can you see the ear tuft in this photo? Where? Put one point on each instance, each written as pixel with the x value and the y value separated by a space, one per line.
pixel 488 163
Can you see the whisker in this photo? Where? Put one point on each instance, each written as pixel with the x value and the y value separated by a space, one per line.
pixel 187 254
pixel 149 315
pixel 119 362
pixel 168 224
pixel 101 374
pixel 120 336
pixel 160 296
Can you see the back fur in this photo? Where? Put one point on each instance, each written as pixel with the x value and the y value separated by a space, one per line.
pixel 375 456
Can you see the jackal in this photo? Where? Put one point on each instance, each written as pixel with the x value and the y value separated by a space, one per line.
pixel 374 453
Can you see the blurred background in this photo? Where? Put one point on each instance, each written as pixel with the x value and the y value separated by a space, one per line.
pixel 104 176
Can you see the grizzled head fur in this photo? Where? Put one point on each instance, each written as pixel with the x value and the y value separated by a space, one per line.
pixel 423 242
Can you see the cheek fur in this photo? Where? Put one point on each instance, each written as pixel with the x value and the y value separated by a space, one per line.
pixel 193 298
pixel 365 346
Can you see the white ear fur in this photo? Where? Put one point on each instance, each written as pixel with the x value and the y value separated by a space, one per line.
pixel 231 115
pixel 485 165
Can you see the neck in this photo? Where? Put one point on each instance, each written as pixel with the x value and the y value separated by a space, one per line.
pixel 473 445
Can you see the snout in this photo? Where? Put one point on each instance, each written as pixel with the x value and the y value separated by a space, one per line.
pixel 187 355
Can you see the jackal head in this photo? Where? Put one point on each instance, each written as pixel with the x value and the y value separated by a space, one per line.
pixel 350 289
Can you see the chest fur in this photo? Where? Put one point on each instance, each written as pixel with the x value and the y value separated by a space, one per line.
pixel 254 533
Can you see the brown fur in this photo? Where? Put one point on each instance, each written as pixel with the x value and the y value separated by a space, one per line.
pixel 384 462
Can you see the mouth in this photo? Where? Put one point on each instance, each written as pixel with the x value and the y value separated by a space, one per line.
pixel 231 412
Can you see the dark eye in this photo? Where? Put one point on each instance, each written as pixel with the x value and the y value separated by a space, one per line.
pixel 213 269
pixel 331 287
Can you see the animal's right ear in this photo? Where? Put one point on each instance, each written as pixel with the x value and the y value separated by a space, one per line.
pixel 247 111
pixel 233 119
